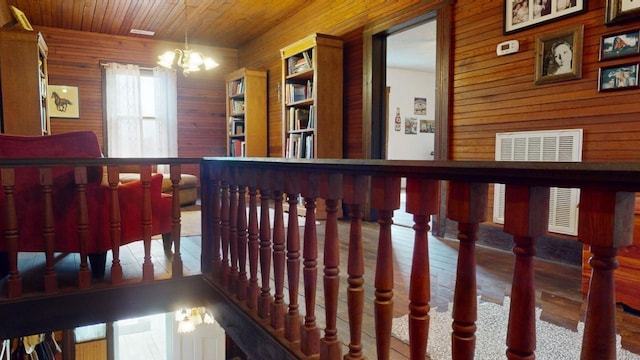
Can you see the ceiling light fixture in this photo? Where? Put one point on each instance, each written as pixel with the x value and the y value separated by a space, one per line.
pixel 189 318
pixel 187 59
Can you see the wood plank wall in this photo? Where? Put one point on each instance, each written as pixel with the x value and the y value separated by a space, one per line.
pixel 497 94
pixel 346 19
pixel 75 57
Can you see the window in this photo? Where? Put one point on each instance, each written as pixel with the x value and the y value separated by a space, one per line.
pixel 141 111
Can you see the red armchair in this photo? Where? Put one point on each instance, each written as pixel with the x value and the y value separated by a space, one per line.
pixel 30 206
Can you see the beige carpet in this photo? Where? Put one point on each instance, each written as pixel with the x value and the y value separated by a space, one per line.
pixel 491 335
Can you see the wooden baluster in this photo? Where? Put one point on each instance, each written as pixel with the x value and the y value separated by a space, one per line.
pixel 355 195
pixel 292 318
pixel 207 253
pixel 233 237
pixel 265 300
pixel 526 216
pixel 212 223
pixel 605 224
pixel 278 306
pixel 84 275
pixel 14 283
pixel 147 266
pixel 48 230
pixel 115 227
pixel 224 235
pixel 242 282
pixel 467 204
pixel 310 333
pixel 254 245
pixel 385 198
pixel 331 190
pixel 422 201
pixel 176 268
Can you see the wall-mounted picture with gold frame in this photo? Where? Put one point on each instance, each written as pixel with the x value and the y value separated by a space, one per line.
pixel 21 18
pixel 559 56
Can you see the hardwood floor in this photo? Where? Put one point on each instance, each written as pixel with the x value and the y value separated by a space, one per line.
pixel 558 286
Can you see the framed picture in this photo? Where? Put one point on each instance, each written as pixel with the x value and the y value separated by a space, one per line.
pixel 63 101
pixel 21 18
pixel 618 11
pixel 420 106
pixel 619 45
pixel 523 14
pixel 618 77
pixel 559 56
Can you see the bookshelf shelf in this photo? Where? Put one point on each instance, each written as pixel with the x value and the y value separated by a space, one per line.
pixel 247 113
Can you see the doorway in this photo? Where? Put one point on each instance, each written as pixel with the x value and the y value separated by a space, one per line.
pixel 411 88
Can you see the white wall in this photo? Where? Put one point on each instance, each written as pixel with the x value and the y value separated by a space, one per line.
pixel 405 85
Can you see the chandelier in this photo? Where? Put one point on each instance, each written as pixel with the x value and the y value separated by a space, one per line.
pixel 189 318
pixel 186 58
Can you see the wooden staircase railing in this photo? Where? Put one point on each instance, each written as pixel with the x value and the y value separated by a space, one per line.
pixel 233 247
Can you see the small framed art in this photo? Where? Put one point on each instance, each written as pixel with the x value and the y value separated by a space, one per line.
pixel 559 56
pixel 618 77
pixel 619 45
pixel 523 14
pixel 618 11
pixel 63 101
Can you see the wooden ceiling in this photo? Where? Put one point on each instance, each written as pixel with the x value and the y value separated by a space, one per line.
pixel 225 23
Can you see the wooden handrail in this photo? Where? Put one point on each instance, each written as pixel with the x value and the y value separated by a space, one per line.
pixel 606 220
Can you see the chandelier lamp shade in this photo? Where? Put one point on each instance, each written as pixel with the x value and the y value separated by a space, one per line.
pixel 189 60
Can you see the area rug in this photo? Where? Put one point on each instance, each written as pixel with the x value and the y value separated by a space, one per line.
pixel 491 335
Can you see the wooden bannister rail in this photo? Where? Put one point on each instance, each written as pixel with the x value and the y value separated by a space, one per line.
pixel 84 228
pixel 605 224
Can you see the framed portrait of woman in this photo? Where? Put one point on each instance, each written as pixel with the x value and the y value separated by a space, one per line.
pixel 559 56
pixel 618 11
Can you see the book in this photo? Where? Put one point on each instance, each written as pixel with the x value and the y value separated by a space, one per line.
pixel 236 126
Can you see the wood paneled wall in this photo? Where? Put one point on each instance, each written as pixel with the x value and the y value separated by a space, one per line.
pixel 346 19
pixel 497 94
pixel 75 57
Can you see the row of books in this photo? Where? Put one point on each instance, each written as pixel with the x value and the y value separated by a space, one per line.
pixel 237 148
pixel 299 146
pixel 236 126
pixel 295 92
pixel 301 118
pixel 299 63
pixel 236 106
pixel 236 87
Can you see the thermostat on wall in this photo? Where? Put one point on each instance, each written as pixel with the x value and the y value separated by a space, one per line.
pixel 508 47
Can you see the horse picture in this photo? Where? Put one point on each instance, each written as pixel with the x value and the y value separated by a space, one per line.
pixel 61 103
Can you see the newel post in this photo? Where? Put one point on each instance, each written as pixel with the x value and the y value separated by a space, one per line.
pixel 467 204
pixel 526 216
pixel 605 224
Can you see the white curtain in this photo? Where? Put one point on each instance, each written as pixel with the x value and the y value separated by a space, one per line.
pixel 130 134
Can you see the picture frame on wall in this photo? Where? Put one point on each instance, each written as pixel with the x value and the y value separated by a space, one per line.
pixel 618 77
pixel 524 14
pixel 63 101
pixel 559 56
pixel 618 11
pixel 619 45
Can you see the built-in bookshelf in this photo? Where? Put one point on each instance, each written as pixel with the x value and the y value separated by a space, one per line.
pixel 312 107
pixel 247 113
